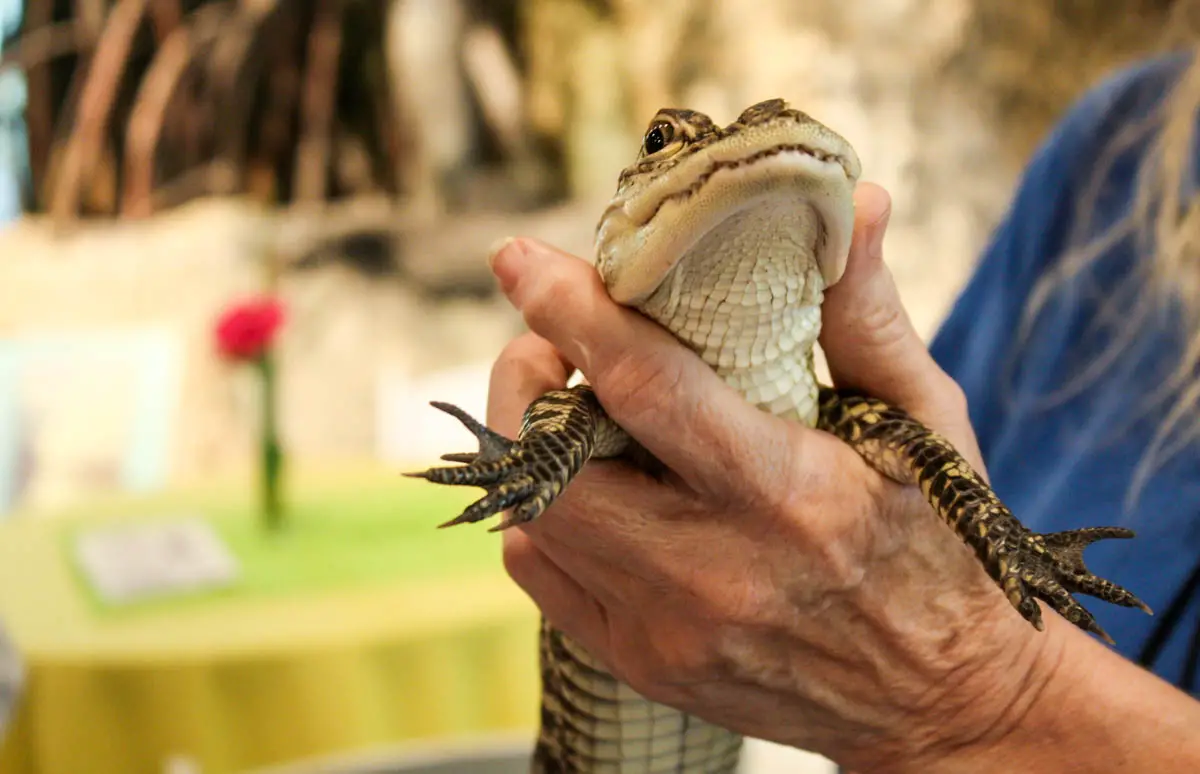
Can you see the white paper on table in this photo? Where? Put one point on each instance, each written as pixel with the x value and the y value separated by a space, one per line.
pixel 131 563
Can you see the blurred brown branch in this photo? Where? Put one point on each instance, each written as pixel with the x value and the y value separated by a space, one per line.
pixel 85 143
pixel 179 50
pixel 201 96
pixel 47 43
pixel 229 68
pixel 39 113
pixel 166 16
pixel 316 109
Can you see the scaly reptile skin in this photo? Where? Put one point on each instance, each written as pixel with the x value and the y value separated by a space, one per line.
pixel 728 237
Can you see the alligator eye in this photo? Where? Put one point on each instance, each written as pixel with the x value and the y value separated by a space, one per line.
pixel 659 136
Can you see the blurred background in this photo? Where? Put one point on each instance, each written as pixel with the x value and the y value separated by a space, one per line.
pixel 208 564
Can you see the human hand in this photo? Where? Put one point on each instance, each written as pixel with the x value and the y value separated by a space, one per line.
pixel 772 584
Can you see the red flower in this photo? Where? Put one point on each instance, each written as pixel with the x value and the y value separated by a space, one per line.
pixel 246 330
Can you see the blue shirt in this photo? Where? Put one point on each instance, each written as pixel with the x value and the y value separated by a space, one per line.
pixel 1063 455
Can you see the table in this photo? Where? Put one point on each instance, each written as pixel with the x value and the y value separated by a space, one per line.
pixel 280 672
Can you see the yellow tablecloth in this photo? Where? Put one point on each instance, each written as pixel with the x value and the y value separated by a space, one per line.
pixel 237 684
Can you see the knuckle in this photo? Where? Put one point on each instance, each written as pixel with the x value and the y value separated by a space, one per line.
pixel 638 385
pixel 773 479
pixel 827 528
pixel 885 325
pixel 527 357
pixel 944 408
pixel 525 369
pixel 512 360
pixel 716 592
pixel 556 292
pixel 520 558
pixel 678 642
pixel 950 395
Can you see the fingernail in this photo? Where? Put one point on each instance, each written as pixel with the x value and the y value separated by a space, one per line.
pixel 496 247
pixel 501 257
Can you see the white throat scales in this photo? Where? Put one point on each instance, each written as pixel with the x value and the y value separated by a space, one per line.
pixel 747 298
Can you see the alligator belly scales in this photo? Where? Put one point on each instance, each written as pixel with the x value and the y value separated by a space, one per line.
pixel 728 237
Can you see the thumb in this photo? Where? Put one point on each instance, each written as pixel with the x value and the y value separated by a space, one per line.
pixel 869 340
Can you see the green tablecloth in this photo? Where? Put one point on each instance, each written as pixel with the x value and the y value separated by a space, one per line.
pixel 425 636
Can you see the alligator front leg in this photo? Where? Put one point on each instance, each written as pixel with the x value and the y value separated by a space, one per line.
pixel 1027 566
pixel 560 432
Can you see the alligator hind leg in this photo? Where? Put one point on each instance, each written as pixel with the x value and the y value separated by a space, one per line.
pixel 560 432
pixel 1026 565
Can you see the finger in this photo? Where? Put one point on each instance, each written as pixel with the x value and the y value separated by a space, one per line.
pixel 633 542
pixel 614 585
pixel 562 600
pixel 527 368
pixel 654 387
pixel 869 340
pixel 609 511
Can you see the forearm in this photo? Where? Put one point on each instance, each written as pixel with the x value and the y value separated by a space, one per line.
pixel 1096 712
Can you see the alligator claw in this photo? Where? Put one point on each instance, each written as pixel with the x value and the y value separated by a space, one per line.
pixel 1027 566
pixel 1050 567
pixel 522 476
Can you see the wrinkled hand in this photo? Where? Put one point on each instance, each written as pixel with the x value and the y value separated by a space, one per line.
pixel 773 583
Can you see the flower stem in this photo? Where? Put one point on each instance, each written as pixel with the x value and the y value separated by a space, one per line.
pixel 272 452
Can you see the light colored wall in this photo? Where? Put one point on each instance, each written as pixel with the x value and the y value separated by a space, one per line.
pixel 867 71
